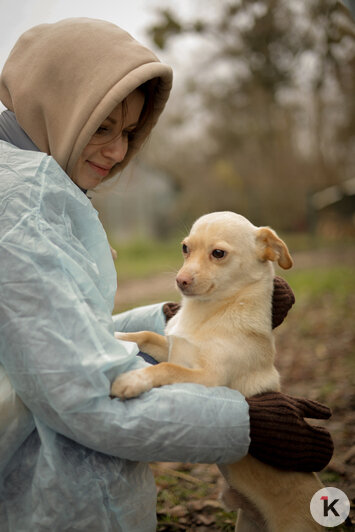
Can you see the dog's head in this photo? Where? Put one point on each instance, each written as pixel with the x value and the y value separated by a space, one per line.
pixel 224 252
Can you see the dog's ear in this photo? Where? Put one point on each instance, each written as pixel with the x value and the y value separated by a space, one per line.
pixel 271 247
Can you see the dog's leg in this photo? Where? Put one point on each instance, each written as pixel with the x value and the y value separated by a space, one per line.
pixel 149 342
pixel 249 518
pixel 274 493
pixel 135 382
pixel 247 523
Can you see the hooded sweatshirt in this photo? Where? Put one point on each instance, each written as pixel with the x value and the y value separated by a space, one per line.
pixel 62 80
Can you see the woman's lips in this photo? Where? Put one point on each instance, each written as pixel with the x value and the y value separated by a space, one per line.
pixel 102 171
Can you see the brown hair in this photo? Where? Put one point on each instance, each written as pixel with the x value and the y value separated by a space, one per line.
pixel 148 90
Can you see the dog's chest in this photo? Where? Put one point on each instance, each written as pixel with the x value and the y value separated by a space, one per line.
pixel 197 344
pixel 238 359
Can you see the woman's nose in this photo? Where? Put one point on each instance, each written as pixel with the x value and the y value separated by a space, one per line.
pixel 116 149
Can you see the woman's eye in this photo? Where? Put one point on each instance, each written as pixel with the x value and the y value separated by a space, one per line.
pixel 218 253
pixel 128 133
pixel 185 249
pixel 101 130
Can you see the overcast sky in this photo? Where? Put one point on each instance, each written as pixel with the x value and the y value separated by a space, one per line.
pixel 16 16
pixel 19 15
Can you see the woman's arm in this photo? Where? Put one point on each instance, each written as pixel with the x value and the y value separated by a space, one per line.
pixel 60 354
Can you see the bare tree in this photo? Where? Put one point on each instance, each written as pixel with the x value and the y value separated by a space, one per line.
pixel 267 115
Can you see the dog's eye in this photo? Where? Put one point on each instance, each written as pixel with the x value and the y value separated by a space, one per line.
pixel 185 249
pixel 218 253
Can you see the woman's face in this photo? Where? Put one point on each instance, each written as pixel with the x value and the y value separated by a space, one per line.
pixel 109 145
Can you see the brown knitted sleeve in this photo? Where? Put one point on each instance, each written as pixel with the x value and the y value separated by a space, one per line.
pixel 282 300
pixel 170 309
pixel 280 436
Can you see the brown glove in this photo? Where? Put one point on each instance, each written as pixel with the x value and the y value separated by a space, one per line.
pixel 282 438
pixel 282 301
pixel 170 309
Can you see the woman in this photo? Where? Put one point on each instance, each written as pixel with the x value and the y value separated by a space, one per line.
pixel 82 95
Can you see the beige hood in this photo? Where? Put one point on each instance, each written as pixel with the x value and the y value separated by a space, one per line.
pixel 62 80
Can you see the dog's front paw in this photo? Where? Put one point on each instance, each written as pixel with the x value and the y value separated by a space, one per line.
pixel 131 384
pixel 127 337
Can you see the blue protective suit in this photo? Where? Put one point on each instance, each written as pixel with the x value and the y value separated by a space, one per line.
pixel 70 457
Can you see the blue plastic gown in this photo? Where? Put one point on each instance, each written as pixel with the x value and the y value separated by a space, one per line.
pixel 72 459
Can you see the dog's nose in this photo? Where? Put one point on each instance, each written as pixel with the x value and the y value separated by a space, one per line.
pixel 183 280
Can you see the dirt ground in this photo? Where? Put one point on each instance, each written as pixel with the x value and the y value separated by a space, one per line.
pixel 315 356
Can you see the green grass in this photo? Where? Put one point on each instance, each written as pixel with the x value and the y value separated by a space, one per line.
pixel 143 258
pixel 307 242
pixel 339 281
pixel 139 259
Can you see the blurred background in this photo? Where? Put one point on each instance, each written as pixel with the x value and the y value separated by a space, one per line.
pixel 261 121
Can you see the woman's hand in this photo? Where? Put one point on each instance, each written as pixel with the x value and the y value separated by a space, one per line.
pixel 282 438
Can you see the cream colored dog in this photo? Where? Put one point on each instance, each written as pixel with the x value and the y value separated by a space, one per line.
pixel 222 336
